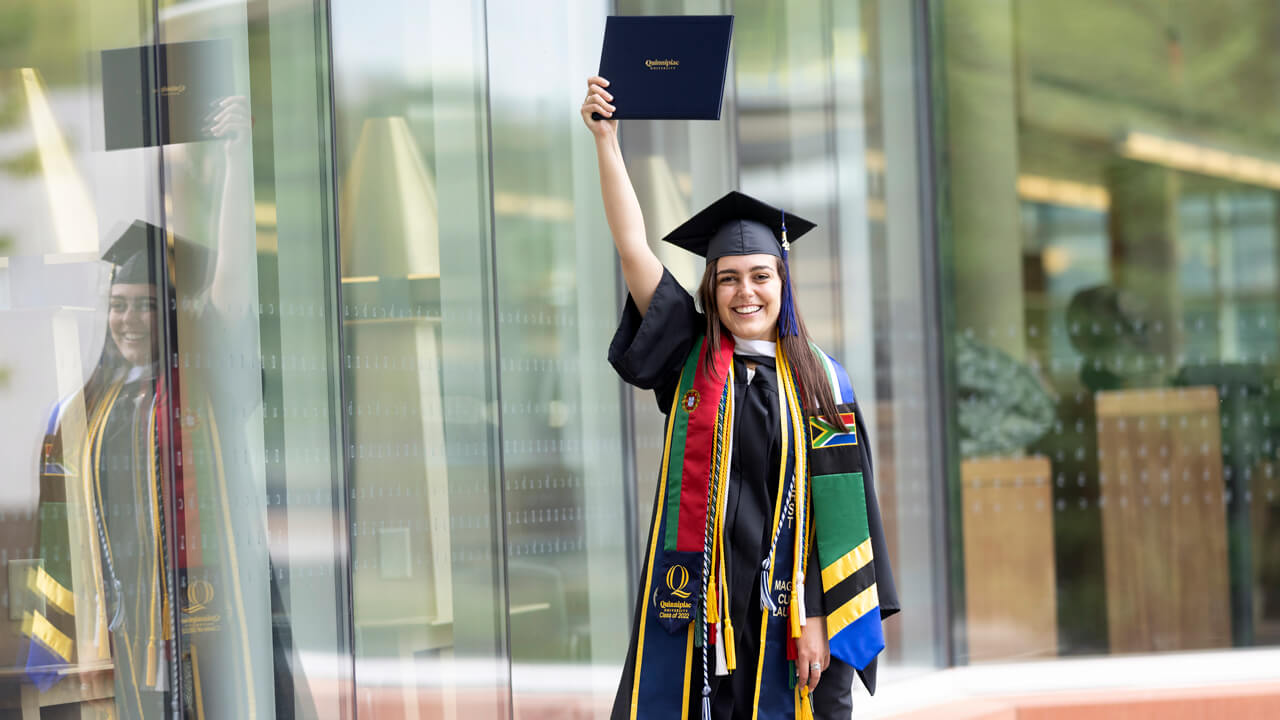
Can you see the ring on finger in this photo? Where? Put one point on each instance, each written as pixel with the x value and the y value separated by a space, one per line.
pixel 815 666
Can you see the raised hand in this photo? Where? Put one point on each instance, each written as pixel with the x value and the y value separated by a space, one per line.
pixel 229 120
pixel 599 101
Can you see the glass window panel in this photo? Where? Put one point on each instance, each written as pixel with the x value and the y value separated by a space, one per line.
pixel 1111 245
pixel 566 513
pixel 826 128
pixel 889 305
pixel 419 359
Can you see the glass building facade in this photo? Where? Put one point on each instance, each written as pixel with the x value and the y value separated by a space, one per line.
pixel 351 446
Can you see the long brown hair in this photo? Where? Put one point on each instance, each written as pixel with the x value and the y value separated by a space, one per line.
pixel 809 373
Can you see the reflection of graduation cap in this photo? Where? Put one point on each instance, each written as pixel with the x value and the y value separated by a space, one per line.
pixel 135 253
pixel 738 224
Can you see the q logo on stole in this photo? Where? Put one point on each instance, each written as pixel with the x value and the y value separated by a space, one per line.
pixel 199 595
pixel 196 612
pixel 676 591
pixel 678 580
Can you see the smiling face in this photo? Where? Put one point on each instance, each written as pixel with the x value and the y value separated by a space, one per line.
pixel 132 319
pixel 748 292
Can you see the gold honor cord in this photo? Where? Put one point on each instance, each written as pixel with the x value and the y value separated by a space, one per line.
pixel 140 496
pixel 90 456
pixel 767 577
pixel 800 492
pixel 725 634
pixel 195 681
pixel 156 582
pixel 238 592
pixel 94 480
pixel 803 703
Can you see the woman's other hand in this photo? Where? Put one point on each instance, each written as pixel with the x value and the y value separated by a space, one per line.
pixel 598 101
pixel 812 653
pixel 229 120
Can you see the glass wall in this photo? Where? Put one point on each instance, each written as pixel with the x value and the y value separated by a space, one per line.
pixel 305 408
pixel 566 513
pixel 1111 181
pixel 489 549
pixel 419 360
pixel 173 524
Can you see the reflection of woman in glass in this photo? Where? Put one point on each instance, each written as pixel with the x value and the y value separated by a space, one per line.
pixel 765 463
pixel 113 578
pixel 120 508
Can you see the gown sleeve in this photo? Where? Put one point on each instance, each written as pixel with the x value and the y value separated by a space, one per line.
pixel 649 350
pixel 885 586
pixel 813 587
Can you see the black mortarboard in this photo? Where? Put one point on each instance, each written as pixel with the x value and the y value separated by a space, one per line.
pixel 134 253
pixel 738 224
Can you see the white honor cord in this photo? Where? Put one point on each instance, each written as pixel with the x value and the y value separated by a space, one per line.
pixel 722 662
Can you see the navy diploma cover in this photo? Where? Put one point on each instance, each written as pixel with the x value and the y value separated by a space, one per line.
pixel 163 94
pixel 666 67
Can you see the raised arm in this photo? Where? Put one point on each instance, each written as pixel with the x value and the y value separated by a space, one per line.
pixel 233 283
pixel 640 267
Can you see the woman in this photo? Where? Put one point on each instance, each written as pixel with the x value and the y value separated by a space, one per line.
pixel 764 465
pixel 142 568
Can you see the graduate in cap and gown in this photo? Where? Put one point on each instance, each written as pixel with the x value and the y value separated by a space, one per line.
pixel 132 592
pixel 766 575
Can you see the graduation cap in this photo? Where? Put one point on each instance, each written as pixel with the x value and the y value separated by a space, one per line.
pixel 135 253
pixel 738 224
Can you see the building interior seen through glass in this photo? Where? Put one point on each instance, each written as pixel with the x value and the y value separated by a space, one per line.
pixel 1112 335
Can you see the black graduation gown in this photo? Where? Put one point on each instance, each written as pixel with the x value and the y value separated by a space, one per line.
pixel 129 530
pixel 126 513
pixel 649 352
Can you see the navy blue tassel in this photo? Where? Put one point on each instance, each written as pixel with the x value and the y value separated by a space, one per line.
pixel 788 325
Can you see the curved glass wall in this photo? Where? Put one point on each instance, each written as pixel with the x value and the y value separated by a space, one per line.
pixel 174 532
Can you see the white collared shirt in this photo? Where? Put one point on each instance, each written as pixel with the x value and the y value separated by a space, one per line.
pixel 762 348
